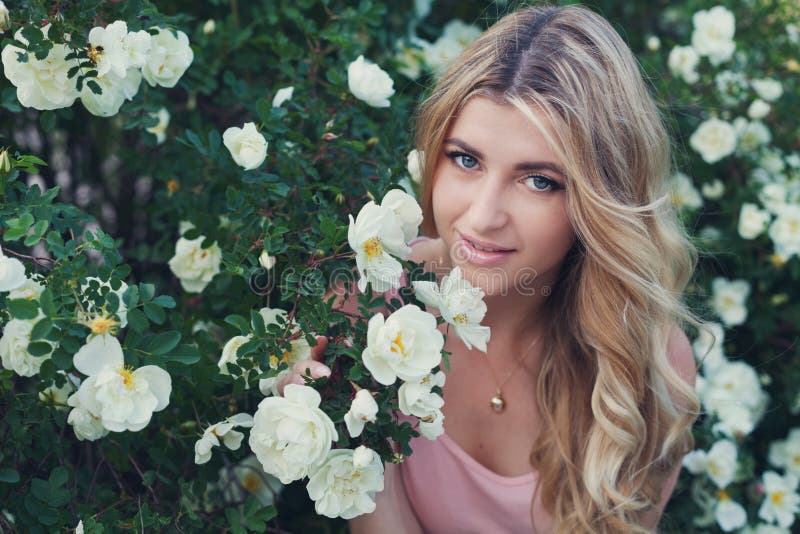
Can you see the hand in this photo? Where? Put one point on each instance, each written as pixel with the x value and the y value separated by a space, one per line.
pixel 314 365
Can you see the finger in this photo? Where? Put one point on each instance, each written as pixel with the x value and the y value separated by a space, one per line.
pixel 289 379
pixel 315 369
pixel 318 351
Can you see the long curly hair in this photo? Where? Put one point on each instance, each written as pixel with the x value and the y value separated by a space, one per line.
pixel 617 416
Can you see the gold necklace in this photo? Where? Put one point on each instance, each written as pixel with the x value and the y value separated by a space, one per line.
pixel 497 402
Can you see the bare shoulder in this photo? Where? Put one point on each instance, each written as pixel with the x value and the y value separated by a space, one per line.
pixel 428 251
pixel 680 354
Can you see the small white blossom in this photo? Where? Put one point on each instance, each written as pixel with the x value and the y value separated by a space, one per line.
pixel 409 58
pixel 369 83
pixel 719 463
pixel 785 231
pixel 758 109
pixel 786 453
pixel 682 62
pixel 247 146
pixel 247 477
pixel 768 89
pixel 752 221
pixel 751 135
pixel 221 432
pixel 12 273
pixel 266 261
pixel 122 398
pixel 209 27
pixel 107 49
pixel 781 501
pixel 376 236
pixel 291 434
pixel 728 301
pixel 713 190
pixel 713 140
pixel 58 396
pixel 194 265
pixel 115 90
pixel 282 96
pixel 713 34
pixel 729 514
pixel 653 43
pixel 414 165
pixel 344 485
pixel 86 425
pixel 5 20
pixel 683 193
pixel 160 129
pixel 460 304
pixel 407 210
pixel 457 35
pixel 31 289
pixel 363 410
pixel 169 58
pixel 14 354
pixel 734 393
pixel 407 345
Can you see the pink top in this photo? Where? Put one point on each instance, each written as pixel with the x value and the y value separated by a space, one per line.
pixel 451 492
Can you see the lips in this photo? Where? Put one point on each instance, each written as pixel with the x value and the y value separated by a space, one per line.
pixel 490 247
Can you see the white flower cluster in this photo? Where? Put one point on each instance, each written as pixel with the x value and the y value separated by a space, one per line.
pixel 719 464
pixel 378 234
pixel 436 56
pixel 121 59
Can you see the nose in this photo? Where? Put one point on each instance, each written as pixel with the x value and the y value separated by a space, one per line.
pixel 488 209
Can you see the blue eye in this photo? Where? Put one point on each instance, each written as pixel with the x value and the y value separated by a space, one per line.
pixel 541 183
pixel 463 159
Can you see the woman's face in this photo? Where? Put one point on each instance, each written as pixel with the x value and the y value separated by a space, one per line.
pixel 498 182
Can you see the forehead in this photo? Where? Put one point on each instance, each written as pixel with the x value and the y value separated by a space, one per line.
pixel 503 132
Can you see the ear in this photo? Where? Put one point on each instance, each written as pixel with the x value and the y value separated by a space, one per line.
pixel 681 355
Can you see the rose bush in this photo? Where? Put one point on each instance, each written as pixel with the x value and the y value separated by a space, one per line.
pixel 94 204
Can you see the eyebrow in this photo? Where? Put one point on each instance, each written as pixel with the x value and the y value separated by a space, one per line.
pixel 524 166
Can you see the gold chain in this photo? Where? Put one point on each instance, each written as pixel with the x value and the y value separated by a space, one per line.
pixel 497 402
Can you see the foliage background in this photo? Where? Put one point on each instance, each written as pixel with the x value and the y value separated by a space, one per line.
pixel 109 174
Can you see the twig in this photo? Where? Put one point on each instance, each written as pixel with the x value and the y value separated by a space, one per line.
pixel 149 488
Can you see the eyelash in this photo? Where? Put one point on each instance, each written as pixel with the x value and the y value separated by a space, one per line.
pixel 455 154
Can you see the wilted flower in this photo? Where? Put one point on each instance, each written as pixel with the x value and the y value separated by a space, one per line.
pixel 368 82
pixel 169 57
pixel 363 410
pixel 291 434
pixel 221 432
pixel 407 345
pixel 248 148
pixel 460 304
pixel 122 398
pixel 344 485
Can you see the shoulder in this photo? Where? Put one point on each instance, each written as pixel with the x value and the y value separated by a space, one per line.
pixel 681 356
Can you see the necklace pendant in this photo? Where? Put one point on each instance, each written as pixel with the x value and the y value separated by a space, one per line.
pixel 497 403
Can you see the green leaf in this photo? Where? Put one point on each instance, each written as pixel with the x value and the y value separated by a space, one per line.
pixel 165 301
pixel 41 329
pixel 164 342
pixel 257 320
pixel 131 296
pixel 239 322
pixel 59 476
pixel 39 348
pixel 47 304
pixel 23 308
pixel 185 354
pixel 155 313
pixel 137 320
pixel 9 475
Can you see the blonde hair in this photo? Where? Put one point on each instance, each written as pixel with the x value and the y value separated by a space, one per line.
pixel 617 416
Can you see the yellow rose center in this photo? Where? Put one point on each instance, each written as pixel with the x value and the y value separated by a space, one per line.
pixel 776 498
pixel 173 186
pixel 102 325
pixel 722 495
pixel 127 376
pixel 274 361
pixel 461 318
pixel 251 482
pixel 397 344
pixel 95 52
pixel 372 247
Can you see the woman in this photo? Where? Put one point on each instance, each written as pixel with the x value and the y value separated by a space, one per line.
pixel 544 180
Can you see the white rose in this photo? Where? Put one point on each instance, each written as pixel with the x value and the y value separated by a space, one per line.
pixel 731 87
pixel 266 261
pixel 683 193
pixel 414 165
pixel 460 304
pixel 682 62
pixel 5 20
pixel 57 396
pixel 160 129
pixel 785 231
pixel 713 34
pixel 758 109
pixel 713 140
pixel 772 161
pixel 752 221
pixel 121 397
pixel 221 432
pixel 193 265
pixel 12 273
pixel 432 426
pixel 291 434
pixel 107 49
pixel 344 485
pixel 786 453
pixel 248 148
pixel 115 91
pixel 363 410
pixel 370 83
pixel 409 59
pixel 14 343
pixel 229 352
pixel 406 345
pixel 734 393
pixel 41 84
pixel 713 190
pixel 729 514
pixel 729 298
pixel 169 58
pixel 31 289
pixel 282 96
pixel 751 135
pixel 376 236
pixel 781 502
pixel 418 399
pixel 137 48
pixel 773 196
pixel 407 210
pixel 768 89
pixel 85 425
pixel 719 463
